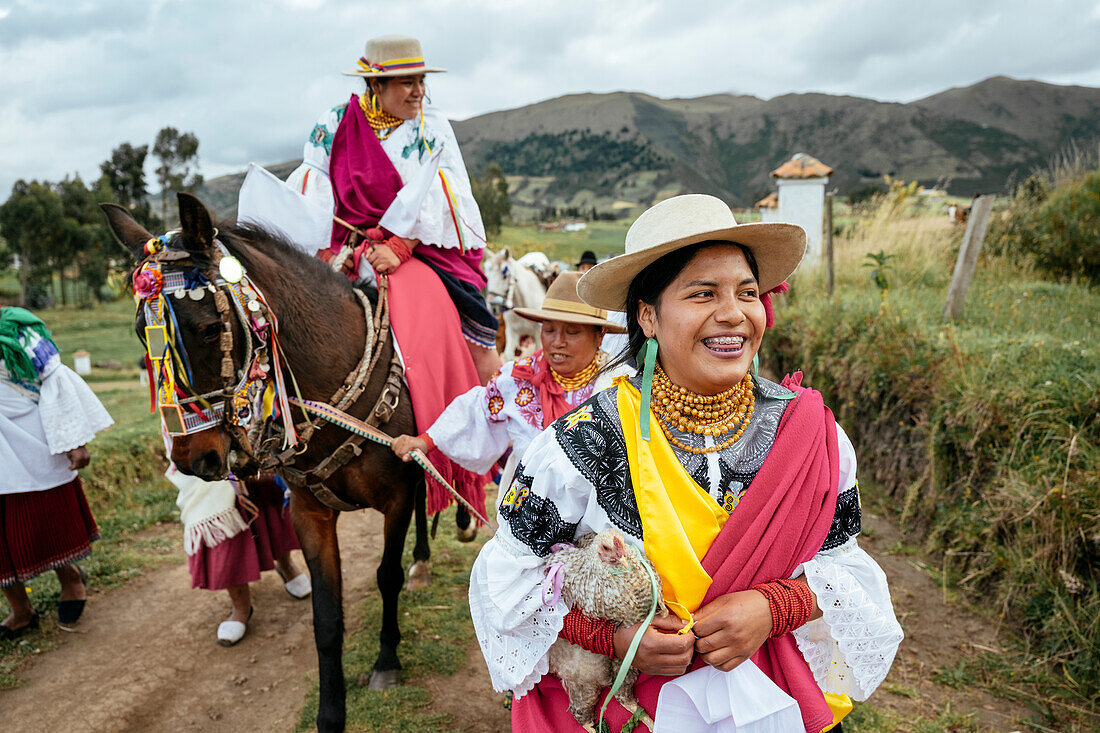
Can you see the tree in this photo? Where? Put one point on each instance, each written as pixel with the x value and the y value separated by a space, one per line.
pixel 178 155
pixel 491 193
pixel 85 239
pixel 124 174
pixel 30 220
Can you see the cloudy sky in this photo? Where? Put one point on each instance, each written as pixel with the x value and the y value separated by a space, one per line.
pixel 78 77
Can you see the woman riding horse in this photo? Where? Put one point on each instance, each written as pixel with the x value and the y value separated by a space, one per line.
pixel 360 155
pixel 527 394
pixel 742 493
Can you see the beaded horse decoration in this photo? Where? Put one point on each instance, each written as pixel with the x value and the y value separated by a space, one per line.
pixel 256 390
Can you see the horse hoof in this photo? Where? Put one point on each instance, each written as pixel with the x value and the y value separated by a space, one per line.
pixel 466 535
pixel 385 679
pixel 420 576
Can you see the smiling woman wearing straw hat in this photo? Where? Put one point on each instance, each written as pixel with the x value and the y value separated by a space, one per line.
pixel 528 394
pixel 742 493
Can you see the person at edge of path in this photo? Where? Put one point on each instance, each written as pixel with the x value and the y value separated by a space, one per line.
pixel 363 151
pixel 742 493
pixel 47 416
pixel 233 531
pixel 527 394
pixel 359 157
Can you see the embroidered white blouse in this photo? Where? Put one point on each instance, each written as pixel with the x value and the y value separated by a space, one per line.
pixel 574 479
pixel 41 421
pixel 478 426
pixel 407 150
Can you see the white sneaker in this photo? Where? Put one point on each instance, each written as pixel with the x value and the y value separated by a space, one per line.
pixel 299 586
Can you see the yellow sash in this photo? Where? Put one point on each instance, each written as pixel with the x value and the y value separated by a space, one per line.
pixel 679 519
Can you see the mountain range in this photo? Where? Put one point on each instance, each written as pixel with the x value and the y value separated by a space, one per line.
pixel 619 152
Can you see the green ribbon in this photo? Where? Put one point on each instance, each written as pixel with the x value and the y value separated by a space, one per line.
pixel 16 359
pixel 650 351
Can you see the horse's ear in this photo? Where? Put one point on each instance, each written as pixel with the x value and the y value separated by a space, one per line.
pixel 196 229
pixel 127 231
pixel 506 254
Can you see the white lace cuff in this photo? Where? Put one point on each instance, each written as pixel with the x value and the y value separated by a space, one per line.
pixel 71 413
pixel 850 649
pixel 514 628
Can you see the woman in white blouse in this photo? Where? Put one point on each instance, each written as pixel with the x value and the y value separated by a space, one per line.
pixel 47 415
pixel 527 394
pixel 742 493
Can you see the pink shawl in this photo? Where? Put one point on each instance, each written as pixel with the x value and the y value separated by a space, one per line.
pixel 781 522
pixel 364 181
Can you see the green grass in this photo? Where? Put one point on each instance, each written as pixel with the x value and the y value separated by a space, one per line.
pixel 983 432
pixel 605 238
pixel 436 633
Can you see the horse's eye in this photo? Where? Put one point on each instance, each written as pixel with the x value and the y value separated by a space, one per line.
pixel 211 332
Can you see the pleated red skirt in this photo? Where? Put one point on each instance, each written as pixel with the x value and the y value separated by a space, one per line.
pixel 241 558
pixel 43 530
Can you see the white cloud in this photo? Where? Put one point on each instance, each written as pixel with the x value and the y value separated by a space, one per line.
pixel 249 79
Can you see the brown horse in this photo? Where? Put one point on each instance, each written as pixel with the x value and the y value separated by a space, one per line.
pixel 322 331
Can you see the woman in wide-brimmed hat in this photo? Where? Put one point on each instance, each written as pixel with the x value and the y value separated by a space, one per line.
pixel 527 394
pixel 387 163
pixel 742 493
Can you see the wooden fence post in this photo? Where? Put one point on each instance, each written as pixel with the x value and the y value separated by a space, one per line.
pixel 976 226
pixel 828 251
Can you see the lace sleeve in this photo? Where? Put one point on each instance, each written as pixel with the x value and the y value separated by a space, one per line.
pixel 71 413
pixel 467 433
pixel 851 647
pixel 543 506
pixel 514 627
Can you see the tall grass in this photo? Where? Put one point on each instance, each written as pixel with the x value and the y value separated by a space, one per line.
pixel 984 431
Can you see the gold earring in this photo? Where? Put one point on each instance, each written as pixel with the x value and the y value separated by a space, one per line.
pixel 373 102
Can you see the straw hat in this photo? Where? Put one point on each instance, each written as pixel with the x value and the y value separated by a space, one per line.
pixel 563 304
pixel 392 56
pixel 683 220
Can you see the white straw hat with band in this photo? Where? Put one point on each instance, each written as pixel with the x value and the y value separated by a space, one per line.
pixel 563 304
pixel 392 56
pixel 684 220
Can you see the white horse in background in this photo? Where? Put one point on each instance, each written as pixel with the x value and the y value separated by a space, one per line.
pixel 512 284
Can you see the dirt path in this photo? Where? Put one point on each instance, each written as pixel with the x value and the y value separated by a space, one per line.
pixel 146 658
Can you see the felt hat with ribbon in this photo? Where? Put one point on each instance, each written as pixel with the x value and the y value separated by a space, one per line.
pixel 685 220
pixel 392 56
pixel 563 304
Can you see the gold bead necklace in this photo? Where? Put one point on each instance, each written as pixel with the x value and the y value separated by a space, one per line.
pixel 581 378
pixel 704 415
pixel 379 119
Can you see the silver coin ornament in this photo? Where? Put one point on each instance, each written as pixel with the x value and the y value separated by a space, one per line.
pixel 196 293
pixel 230 269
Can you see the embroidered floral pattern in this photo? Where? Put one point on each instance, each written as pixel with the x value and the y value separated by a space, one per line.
pixel 525 396
pixel 495 399
pixel 533 519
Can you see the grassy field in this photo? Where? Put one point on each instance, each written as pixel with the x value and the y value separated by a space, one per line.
pixel 984 432
pixel 605 238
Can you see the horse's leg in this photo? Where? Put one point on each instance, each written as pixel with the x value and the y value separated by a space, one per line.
pixel 390 579
pixel 420 575
pixel 466 530
pixel 316 528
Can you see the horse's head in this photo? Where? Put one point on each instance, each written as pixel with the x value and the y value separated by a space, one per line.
pixel 203 336
pixel 500 273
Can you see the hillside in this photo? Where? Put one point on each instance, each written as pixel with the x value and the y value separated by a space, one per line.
pixel 619 152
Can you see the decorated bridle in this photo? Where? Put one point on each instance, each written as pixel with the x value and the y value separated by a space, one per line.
pixel 253 391
pixel 506 300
